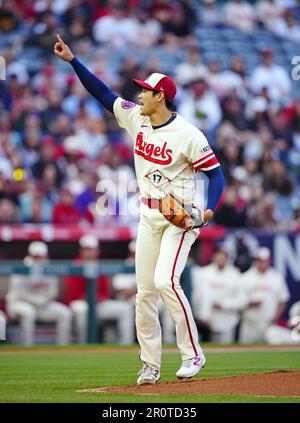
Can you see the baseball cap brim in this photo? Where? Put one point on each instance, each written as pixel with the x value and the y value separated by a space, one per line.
pixel 143 84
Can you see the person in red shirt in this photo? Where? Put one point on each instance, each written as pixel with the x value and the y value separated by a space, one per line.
pixel 107 308
pixel 66 212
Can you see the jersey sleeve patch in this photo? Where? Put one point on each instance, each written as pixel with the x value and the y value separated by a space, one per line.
pixel 127 104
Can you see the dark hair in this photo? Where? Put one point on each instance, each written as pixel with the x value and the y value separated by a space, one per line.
pixel 169 104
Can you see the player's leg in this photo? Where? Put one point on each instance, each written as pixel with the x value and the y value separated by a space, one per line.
pixel 123 313
pixel 174 250
pixel 79 309
pixel 62 316
pixel 26 313
pixel 147 321
pixel 168 327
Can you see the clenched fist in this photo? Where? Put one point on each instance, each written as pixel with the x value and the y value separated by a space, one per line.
pixel 62 50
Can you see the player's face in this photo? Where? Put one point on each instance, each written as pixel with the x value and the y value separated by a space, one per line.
pixel 262 265
pixel 148 102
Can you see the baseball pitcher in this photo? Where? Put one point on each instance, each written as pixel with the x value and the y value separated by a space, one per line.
pixel 168 150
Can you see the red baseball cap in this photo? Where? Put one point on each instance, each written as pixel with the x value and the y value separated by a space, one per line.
pixel 159 82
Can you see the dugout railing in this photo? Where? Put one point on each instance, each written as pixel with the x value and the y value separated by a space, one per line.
pixel 90 271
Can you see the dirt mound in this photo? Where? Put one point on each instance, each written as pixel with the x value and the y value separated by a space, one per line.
pixel 280 383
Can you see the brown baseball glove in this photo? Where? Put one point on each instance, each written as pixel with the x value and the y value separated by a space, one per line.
pixel 183 214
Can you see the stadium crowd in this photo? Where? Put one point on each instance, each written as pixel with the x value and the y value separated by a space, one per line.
pixel 57 142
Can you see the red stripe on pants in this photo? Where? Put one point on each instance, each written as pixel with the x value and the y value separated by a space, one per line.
pixel 177 295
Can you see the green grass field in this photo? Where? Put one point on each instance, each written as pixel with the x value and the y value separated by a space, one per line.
pixel 39 375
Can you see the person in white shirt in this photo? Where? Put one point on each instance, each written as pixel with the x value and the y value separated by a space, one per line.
pixel 117 29
pixel 32 297
pixel 269 12
pixel 217 299
pixel 201 106
pixel 266 296
pixel 240 15
pixel 191 68
pixel 276 335
pixel 268 75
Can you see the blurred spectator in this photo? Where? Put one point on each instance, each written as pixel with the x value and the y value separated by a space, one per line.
pixel 216 296
pixel 240 15
pixel 66 212
pixel 32 298
pixel 191 68
pixel 271 77
pixel 147 31
pixel 9 212
pixel 130 69
pixel 35 206
pixel 210 13
pixel 42 31
pixel 201 107
pixel 269 13
pixel 108 308
pixel 287 26
pixel 232 211
pixel 233 111
pixel 9 20
pixel 266 296
pixel 117 29
pixel 15 68
pixel 179 24
pixel 162 11
pixel 278 182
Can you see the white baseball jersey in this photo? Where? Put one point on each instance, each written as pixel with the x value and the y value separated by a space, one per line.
pixel 269 288
pixel 37 290
pixel 166 156
pixel 212 285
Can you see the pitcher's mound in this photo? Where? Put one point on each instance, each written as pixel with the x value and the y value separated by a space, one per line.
pixel 280 383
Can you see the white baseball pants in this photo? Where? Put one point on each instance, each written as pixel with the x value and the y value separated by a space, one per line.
pixel 121 311
pixel 51 312
pixel 161 253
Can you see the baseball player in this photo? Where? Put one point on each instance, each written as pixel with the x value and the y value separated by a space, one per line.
pixel 266 296
pixel 31 297
pixel 276 335
pixel 168 150
pixel 217 296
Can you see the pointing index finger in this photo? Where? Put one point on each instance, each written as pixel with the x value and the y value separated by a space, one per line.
pixel 59 39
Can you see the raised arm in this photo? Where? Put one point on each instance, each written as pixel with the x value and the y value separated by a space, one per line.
pixel 91 83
